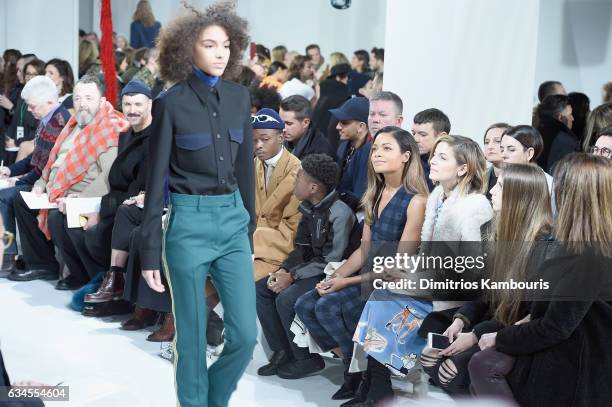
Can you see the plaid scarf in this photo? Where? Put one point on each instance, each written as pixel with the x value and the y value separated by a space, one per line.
pixel 93 140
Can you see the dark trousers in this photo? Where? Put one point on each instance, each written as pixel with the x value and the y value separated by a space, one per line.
pixel 7 196
pixel 84 251
pixel 276 313
pixel 128 218
pixel 38 252
pixel 488 369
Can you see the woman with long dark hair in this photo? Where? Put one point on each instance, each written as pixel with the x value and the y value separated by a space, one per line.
pixel 201 152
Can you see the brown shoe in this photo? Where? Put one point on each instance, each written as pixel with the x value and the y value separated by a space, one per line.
pixel 110 289
pixel 166 332
pixel 141 319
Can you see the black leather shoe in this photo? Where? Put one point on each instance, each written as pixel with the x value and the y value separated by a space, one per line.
pixel 106 309
pixel 214 330
pixel 277 359
pixel 300 368
pixel 361 394
pixel 351 383
pixel 8 263
pixel 29 275
pixel 69 283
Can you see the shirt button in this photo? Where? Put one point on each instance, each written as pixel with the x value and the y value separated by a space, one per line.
pixel 214 114
pixel 221 158
pixel 218 135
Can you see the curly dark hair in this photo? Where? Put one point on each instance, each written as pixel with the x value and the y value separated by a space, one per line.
pixel 322 169
pixel 264 97
pixel 176 40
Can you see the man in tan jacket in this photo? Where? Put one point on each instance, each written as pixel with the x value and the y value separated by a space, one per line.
pixel 276 206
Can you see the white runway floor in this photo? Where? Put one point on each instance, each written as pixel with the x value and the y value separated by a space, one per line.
pixel 42 339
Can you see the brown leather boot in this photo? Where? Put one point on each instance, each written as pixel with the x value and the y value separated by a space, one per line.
pixel 166 332
pixel 141 319
pixel 110 289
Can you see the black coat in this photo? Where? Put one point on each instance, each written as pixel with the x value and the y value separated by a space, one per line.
pixel 559 141
pixel 333 95
pixel 312 142
pixel 127 175
pixel 563 355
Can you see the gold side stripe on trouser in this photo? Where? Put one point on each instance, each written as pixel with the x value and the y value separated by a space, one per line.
pixel 167 272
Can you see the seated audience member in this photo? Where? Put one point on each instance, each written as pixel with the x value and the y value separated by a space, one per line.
pixel 138 61
pixel 300 73
pixel 333 92
pixel 40 95
pixel 276 207
pixel 354 153
pixel 89 64
pixel 322 237
pixel 428 125
pixel 555 126
pixel 521 203
pixel 313 51
pixel 356 82
pixel 455 211
pixel 34 68
pixel 78 165
pixel 93 245
pixel 377 59
pixel 603 145
pixel 148 71
pixel 548 88
pixel 278 53
pixel 492 151
pixel 373 86
pixel 385 110
pixel 302 138
pixel 606 93
pixel 277 75
pixel 521 145
pixel 395 209
pixel 581 107
pixel 264 98
pixel 561 354
pixel 60 72
pixel 335 58
pixel 598 119
pixel 361 62
pixel 22 126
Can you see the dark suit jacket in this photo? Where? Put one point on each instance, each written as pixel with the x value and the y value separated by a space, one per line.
pixel 559 141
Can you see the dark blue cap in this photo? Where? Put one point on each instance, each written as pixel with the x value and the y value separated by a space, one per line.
pixel 356 108
pixel 267 119
pixel 136 86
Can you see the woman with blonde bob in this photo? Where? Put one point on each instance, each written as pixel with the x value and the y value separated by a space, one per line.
pixel 522 216
pixel 561 355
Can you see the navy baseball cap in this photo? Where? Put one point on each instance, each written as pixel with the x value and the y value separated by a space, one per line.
pixel 356 108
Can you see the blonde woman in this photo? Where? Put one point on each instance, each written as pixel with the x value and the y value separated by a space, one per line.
pixel 561 356
pixel 144 28
pixel 335 58
pixel 523 215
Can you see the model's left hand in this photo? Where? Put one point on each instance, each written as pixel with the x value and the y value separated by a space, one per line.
pixel 283 280
pixel 487 341
pixel 331 285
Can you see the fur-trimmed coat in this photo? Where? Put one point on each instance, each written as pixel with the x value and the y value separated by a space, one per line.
pixel 457 219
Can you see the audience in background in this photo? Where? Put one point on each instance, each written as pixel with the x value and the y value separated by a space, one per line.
pixel 580 111
pixel 301 72
pixel 555 124
pixel 313 51
pixel 277 75
pixel 333 92
pixel 492 150
pixel 598 119
pixel 361 62
pixel 278 53
pixel 60 72
pixel 377 59
pixel 603 144
pixel 428 125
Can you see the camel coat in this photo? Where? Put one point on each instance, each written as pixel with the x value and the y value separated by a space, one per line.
pixel 276 213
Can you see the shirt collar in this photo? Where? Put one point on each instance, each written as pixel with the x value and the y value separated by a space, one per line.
pixel 210 80
pixel 48 117
pixel 274 160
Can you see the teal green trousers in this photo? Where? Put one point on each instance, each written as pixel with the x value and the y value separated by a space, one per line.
pixel 209 235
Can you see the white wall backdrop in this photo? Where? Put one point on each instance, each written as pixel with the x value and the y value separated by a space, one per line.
pixel 47 28
pixel 575 45
pixel 474 59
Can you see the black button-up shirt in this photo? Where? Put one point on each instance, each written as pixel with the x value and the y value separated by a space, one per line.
pixel 201 140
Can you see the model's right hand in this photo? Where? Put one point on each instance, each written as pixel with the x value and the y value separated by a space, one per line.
pixel 153 279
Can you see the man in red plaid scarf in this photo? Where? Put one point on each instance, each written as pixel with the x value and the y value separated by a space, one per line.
pixel 78 165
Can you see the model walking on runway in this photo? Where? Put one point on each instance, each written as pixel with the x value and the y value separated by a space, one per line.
pixel 201 151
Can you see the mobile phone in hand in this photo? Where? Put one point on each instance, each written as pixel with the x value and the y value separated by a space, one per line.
pixel 437 341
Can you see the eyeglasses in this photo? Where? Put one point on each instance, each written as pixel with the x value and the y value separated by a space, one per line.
pixel 263 118
pixel 7 239
pixel 604 151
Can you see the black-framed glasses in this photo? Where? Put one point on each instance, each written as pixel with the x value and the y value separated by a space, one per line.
pixel 7 239
pixel 604 151
pixel 263 118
